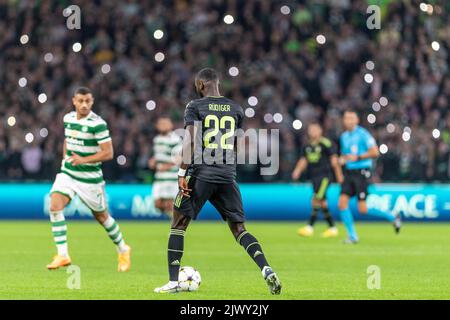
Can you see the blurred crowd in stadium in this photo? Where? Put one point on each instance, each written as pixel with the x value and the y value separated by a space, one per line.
pixel 280 57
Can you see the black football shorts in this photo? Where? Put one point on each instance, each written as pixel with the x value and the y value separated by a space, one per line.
pixel 225 197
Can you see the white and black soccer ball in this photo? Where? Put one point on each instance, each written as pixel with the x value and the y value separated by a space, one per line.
pixel 189 279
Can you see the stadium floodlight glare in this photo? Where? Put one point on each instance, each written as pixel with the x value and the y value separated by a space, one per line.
pixel 121 160
pixel 24 39
pixel 150 105
pixel 42 98
pixel 297 124
pixel 436 133
pixel 22 82
pixel 252 101
pixel 407 129
pixel 370 65
pixel 376 106
pixel 249 112
pixel 435 45
pixel 406 136
pixel 384 149
pixel 76 47
pixel 384 101
pixel 228 19
pixel 43 132
pixel 368 78
pixel 158 34
pixel 11 121
pixel 390 128
pixel 106 68
pixel 268 118
pixel 321 39
pixel 429 9
pixel 159 57
pixel 233 71
pixel 285 10
pixel 277 117
pixel 371 118
pixel 48 57
pixel 29 137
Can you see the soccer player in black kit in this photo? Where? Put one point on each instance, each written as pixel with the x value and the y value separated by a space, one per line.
pixel 209 174
pixel 319 155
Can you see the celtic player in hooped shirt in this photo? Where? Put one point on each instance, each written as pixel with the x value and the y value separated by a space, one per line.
pixel 87 144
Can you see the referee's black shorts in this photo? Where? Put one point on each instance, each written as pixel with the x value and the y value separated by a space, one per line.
pixel 356 183
pixel 225 197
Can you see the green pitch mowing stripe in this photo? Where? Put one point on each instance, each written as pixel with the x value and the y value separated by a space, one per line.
pixel 414 265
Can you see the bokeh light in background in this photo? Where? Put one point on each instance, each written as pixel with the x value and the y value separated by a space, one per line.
pixel 11 121
pixel 297 124
pixel 22 82
pixel 368 78
pixel 159 57
pixel 252 101
pixel 24 39
pixel 158 34
pixel 121 160
pixel 249 112
pixel 42 98
pixel 383 149
pixel 233 71
pixel 76 47
pixel 228 19
pixel 150 105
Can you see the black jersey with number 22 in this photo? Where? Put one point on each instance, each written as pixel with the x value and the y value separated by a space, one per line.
pixel 218 118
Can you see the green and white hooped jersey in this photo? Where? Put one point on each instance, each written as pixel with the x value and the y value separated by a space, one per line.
pixel 163 148
pixel 83 138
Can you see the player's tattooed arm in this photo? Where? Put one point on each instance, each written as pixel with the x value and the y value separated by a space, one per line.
pixel 299 168
pixel 106 153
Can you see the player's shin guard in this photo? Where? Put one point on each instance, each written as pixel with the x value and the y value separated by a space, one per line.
pixel 175 252
pixel 253 248
pixel 381 214
pixel 347 219
pixel 313 217
pixel 59 230
pixel 114 233
pixel 328 217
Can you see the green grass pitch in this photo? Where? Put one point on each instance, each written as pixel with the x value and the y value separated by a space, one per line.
pixel 414 265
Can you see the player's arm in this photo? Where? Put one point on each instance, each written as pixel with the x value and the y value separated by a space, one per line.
pixel 187 153
pixel 300 167
pixel 372 148
pixel 337 168
pixel 106 153
pixel 64 149
pixel 332 152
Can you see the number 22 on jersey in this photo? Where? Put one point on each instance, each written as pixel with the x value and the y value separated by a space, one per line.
pixel 212 121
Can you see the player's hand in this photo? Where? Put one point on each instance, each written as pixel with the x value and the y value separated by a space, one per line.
pixel 183 186
pixel 152 163
pixel 351 157
pixel 340 179
pixel 164 166
pixel 76 159
pixel 295 175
